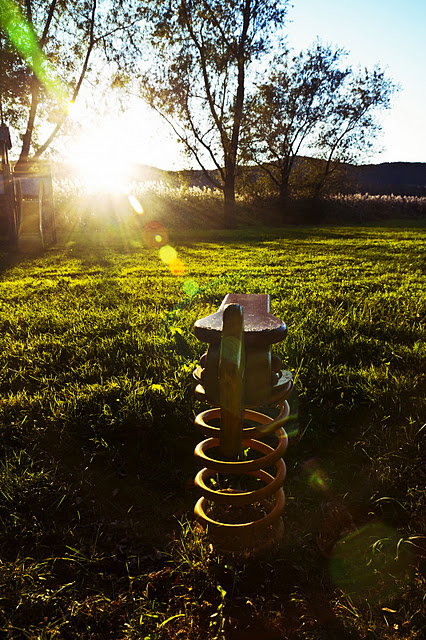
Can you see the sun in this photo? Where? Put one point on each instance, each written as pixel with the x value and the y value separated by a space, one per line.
pixel 101 162
pixel 112 143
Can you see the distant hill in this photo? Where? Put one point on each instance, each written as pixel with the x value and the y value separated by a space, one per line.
pixel 398 178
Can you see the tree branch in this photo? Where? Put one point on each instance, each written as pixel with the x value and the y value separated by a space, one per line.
pixel 121 27
pixel 218 26
pixel 189 146
pixel 47 25
pixel 206 78
pixel 266 169
pixel 56 130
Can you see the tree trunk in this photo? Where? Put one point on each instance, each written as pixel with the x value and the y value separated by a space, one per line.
pixel 229 208
pixel 284 192
pixel 232 150
pixel 26 140
pixel 284 208
pixel 24 159
pixel 284 176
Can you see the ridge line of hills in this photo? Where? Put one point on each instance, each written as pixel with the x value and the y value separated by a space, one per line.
pixel 397 178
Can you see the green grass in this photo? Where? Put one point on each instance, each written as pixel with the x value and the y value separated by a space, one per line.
pixel 97 437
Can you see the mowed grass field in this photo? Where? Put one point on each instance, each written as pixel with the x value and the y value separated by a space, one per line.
pixel 96 436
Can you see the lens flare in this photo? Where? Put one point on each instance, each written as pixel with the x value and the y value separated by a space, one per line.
pixel 317 480
pixel 168 254
pixel 135 204
pixel 367 559
pixel 22 36
pixel 316 477
pixel 293 429
pixel 155 235
pixel 177 267
pixel 190 287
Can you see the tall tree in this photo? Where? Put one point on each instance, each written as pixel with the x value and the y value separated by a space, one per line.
pixel 46 52
pixel 287 108
pixel 351 129
pixel 312 102
pixel 204 51
pixel 14 81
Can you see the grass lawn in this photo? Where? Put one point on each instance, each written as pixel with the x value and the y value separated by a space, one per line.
pixel 96 436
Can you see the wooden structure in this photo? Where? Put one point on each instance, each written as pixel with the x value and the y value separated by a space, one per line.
pixel 27 207
pixel 9 213
pixel 34 194
pixel 238 372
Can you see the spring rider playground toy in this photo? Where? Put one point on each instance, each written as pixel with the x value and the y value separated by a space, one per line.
pixel 241 502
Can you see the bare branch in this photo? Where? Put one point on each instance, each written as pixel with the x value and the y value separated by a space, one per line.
pixel 48 22
pixel 59 125
pixel 204 71
pixel 121 27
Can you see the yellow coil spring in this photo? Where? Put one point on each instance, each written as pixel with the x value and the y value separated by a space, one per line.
pixel 272 485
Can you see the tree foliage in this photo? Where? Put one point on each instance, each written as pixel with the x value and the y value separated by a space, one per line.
pixel 14 81
pixel 47 50
pixel 312 102
pixel 203 53
pixel 350 131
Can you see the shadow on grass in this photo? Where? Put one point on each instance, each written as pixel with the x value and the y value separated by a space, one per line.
pixel 10 259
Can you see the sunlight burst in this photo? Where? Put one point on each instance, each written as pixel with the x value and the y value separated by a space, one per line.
pixel 102 164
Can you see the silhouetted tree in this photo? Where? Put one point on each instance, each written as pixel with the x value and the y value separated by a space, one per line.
pixel 46 53
pixel 203 51
pixel 14 82
pixel 312 102
pixel 352 127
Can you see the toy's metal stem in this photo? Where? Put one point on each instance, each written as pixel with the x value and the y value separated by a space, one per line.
pixel 231 381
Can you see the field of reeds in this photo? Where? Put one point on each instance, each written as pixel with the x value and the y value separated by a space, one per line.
pixel 96 431
pixel 187 206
